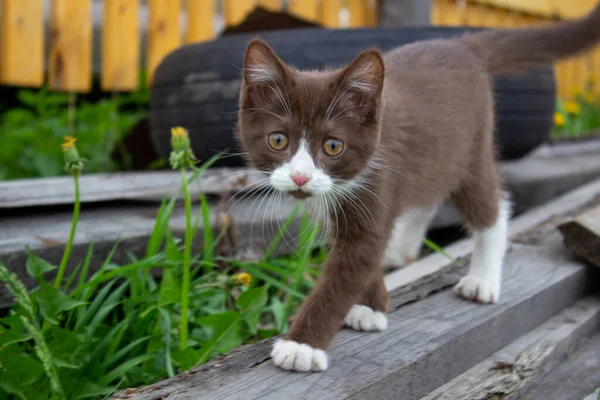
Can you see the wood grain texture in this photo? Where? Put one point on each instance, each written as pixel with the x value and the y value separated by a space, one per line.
pixel 120 45
pixel 582 235
pixel 201 20
pixel 164 33
pixel 121 186
pixel 524 365
pixel 427 343
pixel 22 28
pixel 70 64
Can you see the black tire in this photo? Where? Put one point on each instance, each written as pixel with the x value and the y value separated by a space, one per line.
pixel 197 86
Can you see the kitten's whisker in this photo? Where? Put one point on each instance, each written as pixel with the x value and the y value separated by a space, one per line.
pixel 265 111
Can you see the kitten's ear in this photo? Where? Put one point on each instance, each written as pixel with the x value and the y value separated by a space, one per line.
pixel 261 64
pixel 365 74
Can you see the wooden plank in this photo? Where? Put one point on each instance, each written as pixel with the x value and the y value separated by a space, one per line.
pixel 427 343
pixel 272 5
pixel 523 366
pixel 164 33
pixel 120 45
pixel 306 9
pixel 574 378
pixel 582 235
pixel 234 11
pixel 22 28
pixel 548 8
pixel 71 46
pixel 201 20
pixel 131 225
pixel 120 186
pixel 371 12
pixel 358 13
pixel 330 13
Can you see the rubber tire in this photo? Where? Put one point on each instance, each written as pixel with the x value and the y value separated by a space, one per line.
pixel 197 86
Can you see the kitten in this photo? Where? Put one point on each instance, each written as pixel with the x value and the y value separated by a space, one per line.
pixel 379 144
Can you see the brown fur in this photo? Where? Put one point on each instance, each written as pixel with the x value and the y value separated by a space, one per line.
pixel 434 137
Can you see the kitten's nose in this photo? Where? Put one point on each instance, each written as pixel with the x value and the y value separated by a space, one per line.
pixel 300 180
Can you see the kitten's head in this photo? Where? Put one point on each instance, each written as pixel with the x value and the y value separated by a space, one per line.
pixel 312 131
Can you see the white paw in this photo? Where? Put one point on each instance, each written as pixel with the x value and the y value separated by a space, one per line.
pixel 294 356
pixel 478 289
pixel 363 318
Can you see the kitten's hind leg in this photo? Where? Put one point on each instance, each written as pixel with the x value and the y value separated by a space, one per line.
pixel 486 213
pixel 370 314
pixel 407 236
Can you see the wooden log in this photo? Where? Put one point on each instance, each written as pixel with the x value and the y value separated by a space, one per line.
pixel 582 235
pixel 71 46
pixel 164 33
pixel 120 45
pixel 201 20
pixel 22 28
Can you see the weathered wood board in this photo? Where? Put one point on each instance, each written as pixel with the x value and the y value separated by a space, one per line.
pixel 582 235
pixel 574 378
pixel 522 366
pixel 427 343
pixel 122 186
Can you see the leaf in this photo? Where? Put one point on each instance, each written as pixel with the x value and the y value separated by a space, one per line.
pixel 170 291
pixel 251 304
pixel 89 389
pixel 53 302
pixel 28 97
pixel 227 334
pixel 166 326
pixel 12 331
pixel 187 358
pixel 122 369
pixel 36 266
pixel 21 365
pixel 171 250
pixel 278 311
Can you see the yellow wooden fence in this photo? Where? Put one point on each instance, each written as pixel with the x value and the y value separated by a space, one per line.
pixel 573 76
pixel 22 51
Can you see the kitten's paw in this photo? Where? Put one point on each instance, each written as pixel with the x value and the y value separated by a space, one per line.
pixel 294 356
pixel 478 289
pixel 363 318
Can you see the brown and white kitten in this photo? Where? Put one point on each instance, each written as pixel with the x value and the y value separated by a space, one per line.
pixel 379 144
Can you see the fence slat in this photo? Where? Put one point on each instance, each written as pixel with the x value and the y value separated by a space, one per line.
pixel 273 5
pixel 358 13
pixel 120 45
pixel 71 46
pixel 305 9
pixel 164 33
pixel 371 13
pixel 236 10
pixel 201 20
pixel 330 13
pixel 22 46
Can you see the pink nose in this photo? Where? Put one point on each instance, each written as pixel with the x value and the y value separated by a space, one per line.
pixel 300 180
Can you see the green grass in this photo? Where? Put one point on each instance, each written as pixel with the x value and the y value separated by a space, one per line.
pixel 578 118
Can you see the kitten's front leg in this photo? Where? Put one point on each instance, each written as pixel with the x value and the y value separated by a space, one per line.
pixel 348 273
pixel 370 313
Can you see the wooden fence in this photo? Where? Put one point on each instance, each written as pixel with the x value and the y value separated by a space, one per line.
pixel 68 64
pixel 573 76
pixel 22 45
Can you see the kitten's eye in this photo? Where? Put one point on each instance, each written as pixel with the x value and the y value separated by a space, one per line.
pixel 278 141
pixel 333 147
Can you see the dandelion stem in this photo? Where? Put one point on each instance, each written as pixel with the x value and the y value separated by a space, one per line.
pixel 69 245
pixel 187 256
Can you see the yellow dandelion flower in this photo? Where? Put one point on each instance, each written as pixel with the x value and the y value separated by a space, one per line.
pixel 243 278
pixel 559 119
pixel 572 108
pixel 68 142
pixel 179 132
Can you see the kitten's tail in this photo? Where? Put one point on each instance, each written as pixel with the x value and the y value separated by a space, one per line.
pixel 514 51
